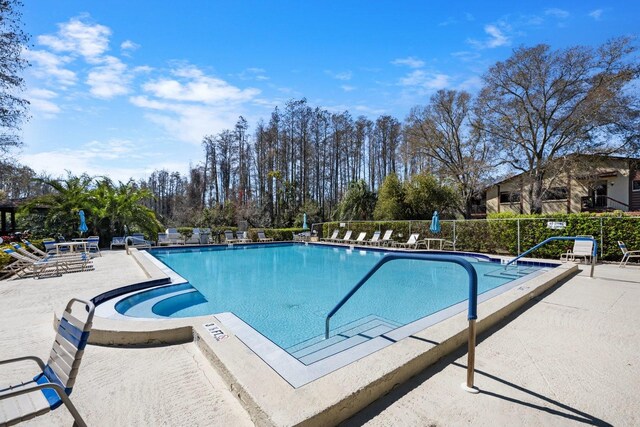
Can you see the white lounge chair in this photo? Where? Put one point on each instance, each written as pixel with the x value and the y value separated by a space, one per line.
pixel 333 237
pixel 386 239
pixel 412 242
pixel 51 387
pixel 346 238
pixel 627 254
pixel 360 238
pixel 374 239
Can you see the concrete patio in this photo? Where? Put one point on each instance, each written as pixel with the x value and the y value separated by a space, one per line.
pixel 571 357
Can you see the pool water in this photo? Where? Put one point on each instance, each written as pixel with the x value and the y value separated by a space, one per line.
pixel 285 291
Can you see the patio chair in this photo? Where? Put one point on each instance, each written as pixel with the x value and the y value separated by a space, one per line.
pixel 386 239
pixel 263 238
pixel 42 254
pixel 582 249
pixel 241 237
pixel 627 254
pixel 359 239
pixel 117 241
pixel 136 241
pixel 333 237
pixel 346 238
pixel 174 237
pixel 28 266
pixel 51 387
pixel 93 245
pixel 411 243
pixel 228 237
pixel 374 239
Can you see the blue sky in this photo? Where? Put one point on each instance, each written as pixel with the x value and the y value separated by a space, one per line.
pixel 121 88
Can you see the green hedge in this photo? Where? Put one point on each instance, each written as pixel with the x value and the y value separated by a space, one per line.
pixel 498 234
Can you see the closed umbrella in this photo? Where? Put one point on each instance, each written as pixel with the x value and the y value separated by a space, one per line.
pixel 304 221
pixel 83 224
pixel 435 223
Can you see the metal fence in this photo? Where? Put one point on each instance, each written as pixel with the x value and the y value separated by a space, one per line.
pixel 511 236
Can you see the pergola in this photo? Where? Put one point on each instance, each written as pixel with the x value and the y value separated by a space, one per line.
pixel 6 227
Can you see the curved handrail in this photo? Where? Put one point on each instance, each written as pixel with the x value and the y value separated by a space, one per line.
pixel 473 281
pixel 594 251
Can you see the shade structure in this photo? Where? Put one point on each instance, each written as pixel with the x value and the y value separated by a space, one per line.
pixel 83 224
pixel 435 223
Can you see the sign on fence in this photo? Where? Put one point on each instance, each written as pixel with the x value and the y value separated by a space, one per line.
pixel 556 225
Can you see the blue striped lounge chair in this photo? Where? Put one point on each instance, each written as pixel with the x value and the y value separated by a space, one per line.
pixel 51 388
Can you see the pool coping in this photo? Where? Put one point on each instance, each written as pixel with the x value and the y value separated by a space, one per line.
pixel 334 396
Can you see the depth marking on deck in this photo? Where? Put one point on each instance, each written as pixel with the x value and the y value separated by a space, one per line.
pixel 215 331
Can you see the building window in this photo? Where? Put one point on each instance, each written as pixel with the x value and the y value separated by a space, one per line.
pixel 509 197
pixel 556 193
pixel 635 185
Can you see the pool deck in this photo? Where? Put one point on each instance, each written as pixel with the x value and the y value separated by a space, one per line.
pixel 570 357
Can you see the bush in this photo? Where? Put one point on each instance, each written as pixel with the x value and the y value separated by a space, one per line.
pixel 499 233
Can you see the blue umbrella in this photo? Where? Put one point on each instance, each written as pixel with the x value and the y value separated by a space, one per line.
pixel 83 224
pixel 304 222
pixel 435 223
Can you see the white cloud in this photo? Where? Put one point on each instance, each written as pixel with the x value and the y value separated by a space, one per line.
pixel 557 13
pixel 109 79
pixel 348 88
pixel 109 158
pixel 49 66
pixel 193 104
pixel 253 73
pixel 423 79
pixel 496 38
pixel 343 75
pixel 89 40
pixel 596 14
pixel 197 87
pixel 410 62
pixel 128 45
pixel 40 100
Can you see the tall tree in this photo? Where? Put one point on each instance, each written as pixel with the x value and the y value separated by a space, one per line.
pixel 443 131
pixel 540 104
pixel 13 108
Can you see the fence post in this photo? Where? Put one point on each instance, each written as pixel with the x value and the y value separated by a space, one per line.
pixel 601 239
pixel 454 234
pixel 518 221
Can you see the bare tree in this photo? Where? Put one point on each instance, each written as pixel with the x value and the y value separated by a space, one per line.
pixel 13 109
pixel 541 104
pixel 443 131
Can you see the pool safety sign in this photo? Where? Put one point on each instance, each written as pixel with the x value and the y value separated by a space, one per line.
pixel 556 225
pixel 215 331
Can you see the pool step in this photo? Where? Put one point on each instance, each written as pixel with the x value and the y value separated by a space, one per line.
pixel 511 273
pixel 344 337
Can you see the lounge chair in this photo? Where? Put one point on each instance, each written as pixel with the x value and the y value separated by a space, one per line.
pixel 360 239
pixel 581 249
pixel 70 256
pixel 346 238
pixel 374 239
pixel 229 238
pixel 93 245
pixel 412 243
pixel 117 241
pixel 30 267
pixel 51 387
pixel 241 237
pixel 174 237
pixel 627 254
pixel 263 238
pixel 386 239
pixel 333 237
pixel 136 241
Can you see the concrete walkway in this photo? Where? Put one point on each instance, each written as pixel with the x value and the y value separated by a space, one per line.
pixel 570 358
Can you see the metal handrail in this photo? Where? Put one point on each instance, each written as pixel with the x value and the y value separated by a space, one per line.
pixel 594 250
pixel 472 313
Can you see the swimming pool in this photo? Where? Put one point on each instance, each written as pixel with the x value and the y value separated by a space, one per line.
pixel 285 291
